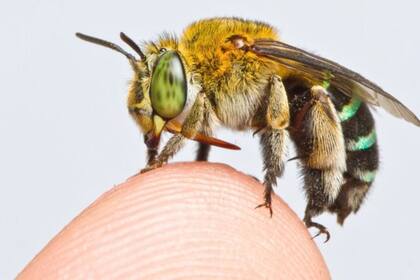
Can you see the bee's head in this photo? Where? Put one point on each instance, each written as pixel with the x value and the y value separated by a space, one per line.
pixel 158 91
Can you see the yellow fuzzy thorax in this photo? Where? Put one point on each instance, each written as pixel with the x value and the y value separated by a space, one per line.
pixel 223 67
pixel 205 48
pixel 206 39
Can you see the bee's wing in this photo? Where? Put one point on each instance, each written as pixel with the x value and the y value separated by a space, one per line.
pixel 317 68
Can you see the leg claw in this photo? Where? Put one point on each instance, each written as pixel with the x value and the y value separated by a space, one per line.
pixel 321 228
pixel 266 205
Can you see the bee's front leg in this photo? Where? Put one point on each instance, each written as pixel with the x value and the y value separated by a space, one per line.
pixel 141 111
pixel 151 152
pixel 273 137
pixel 190 127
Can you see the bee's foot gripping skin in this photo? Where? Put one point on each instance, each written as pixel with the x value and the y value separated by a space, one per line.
pixel 151 166
pixel 266 204
pixel 322 229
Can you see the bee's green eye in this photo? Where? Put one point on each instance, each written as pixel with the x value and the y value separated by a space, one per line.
pixel 168 90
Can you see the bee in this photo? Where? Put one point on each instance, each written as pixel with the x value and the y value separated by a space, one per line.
pixel 238 74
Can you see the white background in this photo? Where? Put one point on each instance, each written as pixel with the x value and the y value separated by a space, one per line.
pixel 66 136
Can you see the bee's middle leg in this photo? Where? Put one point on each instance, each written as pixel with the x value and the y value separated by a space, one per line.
pixel 202 152
pixel 273 137
pixel 273 146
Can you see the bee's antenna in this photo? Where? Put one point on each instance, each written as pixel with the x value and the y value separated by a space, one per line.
pixel 133 45
pixel 107 44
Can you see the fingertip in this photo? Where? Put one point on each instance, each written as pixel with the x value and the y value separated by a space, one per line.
pixel 183 220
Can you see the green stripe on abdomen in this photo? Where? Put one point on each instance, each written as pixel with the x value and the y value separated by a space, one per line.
pixel 366 176
pixel 362 143
pixel 350 109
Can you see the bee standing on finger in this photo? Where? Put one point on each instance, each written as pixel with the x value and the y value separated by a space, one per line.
pixel 238 74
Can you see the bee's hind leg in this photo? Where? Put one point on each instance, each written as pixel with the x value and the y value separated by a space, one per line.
pixel 321 229
pixel 317 133
pixel 273 137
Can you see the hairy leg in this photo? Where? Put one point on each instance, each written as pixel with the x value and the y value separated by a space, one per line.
pixel 273 145
pixel 319 140
pixel 273 137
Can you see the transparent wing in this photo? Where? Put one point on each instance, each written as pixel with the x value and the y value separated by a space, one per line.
pixel 317 68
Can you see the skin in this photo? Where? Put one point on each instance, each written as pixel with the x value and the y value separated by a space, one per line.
pixel 182 221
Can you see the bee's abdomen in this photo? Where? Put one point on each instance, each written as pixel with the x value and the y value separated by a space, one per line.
pixel 359 133
pixel 362 157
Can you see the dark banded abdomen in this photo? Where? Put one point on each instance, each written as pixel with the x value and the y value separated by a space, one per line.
pixel 362 156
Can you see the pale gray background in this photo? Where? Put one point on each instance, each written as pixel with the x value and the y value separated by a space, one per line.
pixel 66 136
